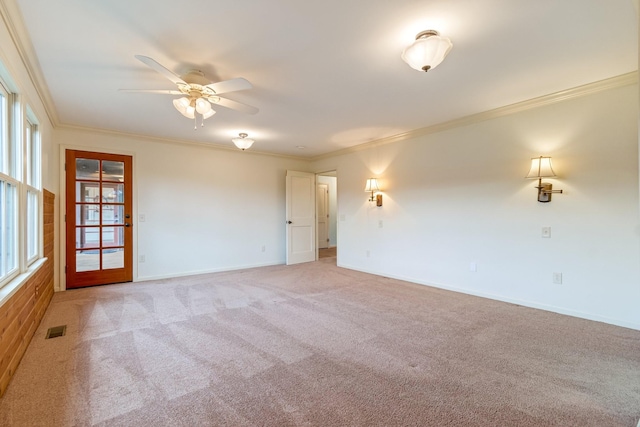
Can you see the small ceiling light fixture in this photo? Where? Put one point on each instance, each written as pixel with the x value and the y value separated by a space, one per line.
pixel 243 142
pixel 373 187
pixel 541 168
pixel 427 51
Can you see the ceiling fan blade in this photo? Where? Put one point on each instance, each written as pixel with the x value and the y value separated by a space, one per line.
pixel 160 69
pixel 232 85
pixel 160 91
pixel 234 105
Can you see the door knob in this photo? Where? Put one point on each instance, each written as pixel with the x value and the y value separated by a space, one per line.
pixel 126 224
pixel 289 222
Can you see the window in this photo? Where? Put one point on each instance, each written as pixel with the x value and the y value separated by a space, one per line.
pixel 8 259
pixel 4 130
pixel 32 156
pixel 20 186
pixel 8 195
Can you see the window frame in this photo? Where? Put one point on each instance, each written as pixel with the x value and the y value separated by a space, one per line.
pixel 21 239
pixel 33 188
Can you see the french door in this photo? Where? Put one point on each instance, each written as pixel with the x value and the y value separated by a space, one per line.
pixel 98 219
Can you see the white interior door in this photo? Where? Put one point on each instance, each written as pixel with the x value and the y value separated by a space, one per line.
pixel 301 218
pixel 322 206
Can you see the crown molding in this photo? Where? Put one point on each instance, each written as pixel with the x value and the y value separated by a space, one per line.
pixel 14 22
pixel 12 17
pixel 147 138
pixel 587 89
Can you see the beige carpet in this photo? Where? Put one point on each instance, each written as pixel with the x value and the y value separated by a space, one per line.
pixel 316 345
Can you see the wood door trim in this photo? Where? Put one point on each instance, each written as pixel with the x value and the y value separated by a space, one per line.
pixel 88 278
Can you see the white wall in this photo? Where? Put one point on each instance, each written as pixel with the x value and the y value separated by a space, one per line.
pixel 13 70
pixel 458 197
pixel 17 77
pixel 206 209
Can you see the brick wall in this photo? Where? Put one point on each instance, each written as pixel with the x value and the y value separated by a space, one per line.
pixel 21 315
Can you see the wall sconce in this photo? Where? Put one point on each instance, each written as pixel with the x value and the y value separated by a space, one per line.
pixel 541 168
pixel 372 186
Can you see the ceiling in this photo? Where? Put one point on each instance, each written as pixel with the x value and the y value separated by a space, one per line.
pixel 327 75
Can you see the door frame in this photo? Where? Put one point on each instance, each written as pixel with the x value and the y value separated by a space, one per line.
pixel 61 284
pixel 307 219
pixel 319 241
pixel 334 174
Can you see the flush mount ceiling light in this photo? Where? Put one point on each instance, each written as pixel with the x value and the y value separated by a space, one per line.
pixel 427 51
pixel 243 142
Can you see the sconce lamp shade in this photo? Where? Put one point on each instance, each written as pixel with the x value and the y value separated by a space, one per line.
pixel 428 51
pixel 541 168
pixel 372 185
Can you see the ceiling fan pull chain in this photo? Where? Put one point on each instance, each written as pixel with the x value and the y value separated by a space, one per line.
pixel 202 121
pixel 195 122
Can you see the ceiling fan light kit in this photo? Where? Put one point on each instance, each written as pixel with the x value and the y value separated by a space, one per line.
pixel 198 93
pixel 184 106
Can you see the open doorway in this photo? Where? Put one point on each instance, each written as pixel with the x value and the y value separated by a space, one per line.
pixel 326 214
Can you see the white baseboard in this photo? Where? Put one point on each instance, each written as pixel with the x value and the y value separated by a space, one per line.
pixel 530 304
pixel 197 272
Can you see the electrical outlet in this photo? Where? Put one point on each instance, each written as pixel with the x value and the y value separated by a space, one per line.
pixel 141 259
pixel 473 266
pixel 368 254
pixel 142 218
pixel 546 232
pixel 264 248
pixel 557 278
pixel 380 224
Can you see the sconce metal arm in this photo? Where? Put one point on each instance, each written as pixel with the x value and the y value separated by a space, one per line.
pixel 545 191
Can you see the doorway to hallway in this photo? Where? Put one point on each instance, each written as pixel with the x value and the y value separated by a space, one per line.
pixel 326 213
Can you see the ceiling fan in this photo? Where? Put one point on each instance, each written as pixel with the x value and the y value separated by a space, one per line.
pixel 198 93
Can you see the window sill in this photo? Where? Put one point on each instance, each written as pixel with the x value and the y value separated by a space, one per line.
pixel 8 290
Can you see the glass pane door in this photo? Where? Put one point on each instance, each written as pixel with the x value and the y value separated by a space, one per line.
pixel 100 232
